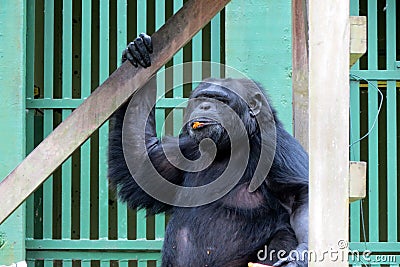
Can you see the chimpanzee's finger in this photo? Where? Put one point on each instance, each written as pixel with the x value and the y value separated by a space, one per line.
pixel 135 53
pixel 147 42
pixel 129 56
pixel 124 58
pixel 144 54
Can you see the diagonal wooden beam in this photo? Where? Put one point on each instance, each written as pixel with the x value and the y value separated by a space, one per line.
pixel 88 117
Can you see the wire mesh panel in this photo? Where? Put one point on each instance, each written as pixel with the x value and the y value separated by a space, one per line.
pixel 374 135
pixel 74 219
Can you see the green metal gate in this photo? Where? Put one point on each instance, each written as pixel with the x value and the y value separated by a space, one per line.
pixel 374 221
pixel 72 47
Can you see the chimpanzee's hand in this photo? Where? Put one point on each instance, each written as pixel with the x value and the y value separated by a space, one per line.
pixel 138 51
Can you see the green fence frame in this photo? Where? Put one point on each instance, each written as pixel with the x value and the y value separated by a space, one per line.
pixel 52 219
pixel 374 222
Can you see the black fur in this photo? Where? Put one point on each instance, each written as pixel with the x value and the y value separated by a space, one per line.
pixel 231 230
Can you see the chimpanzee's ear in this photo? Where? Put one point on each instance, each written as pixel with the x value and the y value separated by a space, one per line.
pixel 256 103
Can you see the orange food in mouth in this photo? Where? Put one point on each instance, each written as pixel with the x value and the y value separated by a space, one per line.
pixel 197 124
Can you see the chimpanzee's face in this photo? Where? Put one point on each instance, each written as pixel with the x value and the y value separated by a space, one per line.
pixel 210 107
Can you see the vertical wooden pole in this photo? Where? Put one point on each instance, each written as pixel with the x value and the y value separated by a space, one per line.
pixel 12 118
pixel 300 71
pixel 329 36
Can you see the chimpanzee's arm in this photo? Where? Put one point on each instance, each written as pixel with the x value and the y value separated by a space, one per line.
pixel 119 174
pixel 288 180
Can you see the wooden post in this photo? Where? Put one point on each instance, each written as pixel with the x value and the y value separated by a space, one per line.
pixel 329 37
pixel 88 117
pixel 12 120
pixel 300 71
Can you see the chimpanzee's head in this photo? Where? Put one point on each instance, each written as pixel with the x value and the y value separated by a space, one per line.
pixel 217 107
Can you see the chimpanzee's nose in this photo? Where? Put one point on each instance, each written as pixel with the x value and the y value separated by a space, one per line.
pixel 205 105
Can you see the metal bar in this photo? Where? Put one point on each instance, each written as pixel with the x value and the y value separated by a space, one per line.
pixel 67 50
pixel 197 55
pixel 66 184
pixel 123 263
pixel 376 246
pixel 31 263
pixel 391 122
pixel 85 148
pixel 30 116
pixel 375 260
pixel 142 263
pixel 85 262
pixel 159 226
pixel 141 17
pixel 66 189
pixel 160 111
pixel 85 190
pixel 49 103
pixel 67 262
pixel 103 131
pixel 141 27
pixel 97 108
pixel 121 44
pixel 377 75
pixel 48 185
pixel 216 45
pixel 373 162
pixel 105 263
pixel 48 114
pixel 30 58
pixel 122 28
pixel 86 49
pixel 141 225
pixel 48 263
pixel 178 80
pixel 93 255
pixel 75 103
pixel 354 136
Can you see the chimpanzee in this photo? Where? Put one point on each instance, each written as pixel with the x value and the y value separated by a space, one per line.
pixel 235 228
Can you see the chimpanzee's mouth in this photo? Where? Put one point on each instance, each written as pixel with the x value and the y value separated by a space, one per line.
pixel 197 124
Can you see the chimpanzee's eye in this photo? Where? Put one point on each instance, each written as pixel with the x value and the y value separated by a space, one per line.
pixel 222 99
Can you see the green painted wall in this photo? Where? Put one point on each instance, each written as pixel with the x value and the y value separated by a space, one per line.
pixel 258 43
pixel 12 118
